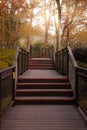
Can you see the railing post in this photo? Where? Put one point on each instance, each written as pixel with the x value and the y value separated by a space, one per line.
pixel 0 97
pixel 28 57
pixel 22 59
pixel 18 65
pixel 76 85
pixel 56 61
pixel 67 64
pixel 30 51
pixel 14 76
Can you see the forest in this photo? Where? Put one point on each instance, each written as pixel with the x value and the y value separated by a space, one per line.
pixel 46 22
pixel 26 21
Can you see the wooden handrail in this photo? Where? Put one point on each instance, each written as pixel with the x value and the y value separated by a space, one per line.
pixel 6 69
pixel 16 56
pixel 20 56
pixel 9 76
pixel 72 58
pixel 7 87
pixel 66 64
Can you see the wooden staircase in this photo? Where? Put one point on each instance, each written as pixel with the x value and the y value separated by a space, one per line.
pixel 41 63
pixel 43 90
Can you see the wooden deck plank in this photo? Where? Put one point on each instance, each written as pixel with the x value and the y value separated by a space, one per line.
pixel 43 117
pixel 40 73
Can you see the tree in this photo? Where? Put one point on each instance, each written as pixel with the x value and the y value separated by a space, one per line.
pixel 47 15
pixel 12 14
pixel 27 30
pixel 77 21
pixel 72 17
pixel 21 19
pixel 59 25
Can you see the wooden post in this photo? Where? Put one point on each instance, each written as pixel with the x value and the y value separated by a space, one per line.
pixel 14 77
pixel 76 85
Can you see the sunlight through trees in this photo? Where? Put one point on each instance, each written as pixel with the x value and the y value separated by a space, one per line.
pixel 52 21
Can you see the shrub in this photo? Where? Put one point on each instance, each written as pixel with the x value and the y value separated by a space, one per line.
pixel 6 57
pixel 80 54
pixel 81 64
pixel 37 45
pixel 3 64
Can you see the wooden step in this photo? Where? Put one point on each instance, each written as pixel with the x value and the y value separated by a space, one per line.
pixel 43 85
pixel 43 80
pixel 41 65
pixel 44 92
pixel 41 60
pixel 44 100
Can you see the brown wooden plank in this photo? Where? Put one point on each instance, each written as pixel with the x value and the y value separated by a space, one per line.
pixel 43 117
pixel 47 74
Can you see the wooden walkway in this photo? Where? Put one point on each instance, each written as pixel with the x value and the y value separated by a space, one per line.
pixel 41 73
pixel 43 117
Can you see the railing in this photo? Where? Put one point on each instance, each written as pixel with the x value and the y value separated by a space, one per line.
pixel 42 52
pixel 81 88
pixel 66 64
pixel 7 87
pixel 61 61
pixel 8 78
pixel 21 60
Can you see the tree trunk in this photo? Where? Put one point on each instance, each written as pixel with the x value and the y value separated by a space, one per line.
pixel 47 21
pixel 59 25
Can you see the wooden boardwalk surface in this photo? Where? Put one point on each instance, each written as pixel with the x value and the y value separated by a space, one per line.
pixel 42 73
pixel 43 117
